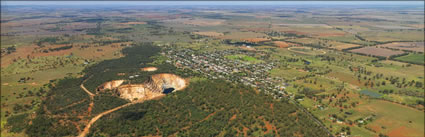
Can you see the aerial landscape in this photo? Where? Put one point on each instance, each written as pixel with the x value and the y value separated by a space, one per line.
pixel 205 68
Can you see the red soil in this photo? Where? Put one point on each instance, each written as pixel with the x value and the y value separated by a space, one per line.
pixel 255 39
pixel 399 132
pixel 233 117
pixel 90 108
pixel 206 118
pixel 245 129
pixel 271 106
pixel 281 44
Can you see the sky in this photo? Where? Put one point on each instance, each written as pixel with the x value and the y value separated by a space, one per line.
pixel 7 3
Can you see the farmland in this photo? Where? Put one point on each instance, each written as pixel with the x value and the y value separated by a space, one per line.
pixel 376 51
pixel 341 46
pixel 244 58
pixel 282 44
pixel 209 33
pixel 251 70
pixel 306 50
pixel 396 122
pixel 412 58
pixel 403 35
pixel 409 46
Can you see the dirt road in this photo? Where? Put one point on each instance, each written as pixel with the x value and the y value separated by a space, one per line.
pixel 88 92
pixel 87 128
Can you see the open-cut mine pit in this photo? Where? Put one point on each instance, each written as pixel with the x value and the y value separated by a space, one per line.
pixel 110 85
pixel 156 86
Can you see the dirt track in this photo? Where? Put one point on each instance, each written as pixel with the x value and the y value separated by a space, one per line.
pixel 87 91
pixel 87 128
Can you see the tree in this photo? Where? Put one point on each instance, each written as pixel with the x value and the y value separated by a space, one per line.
pixel 419 84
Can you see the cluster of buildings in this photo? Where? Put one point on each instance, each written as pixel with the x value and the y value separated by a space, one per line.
pixel 214 65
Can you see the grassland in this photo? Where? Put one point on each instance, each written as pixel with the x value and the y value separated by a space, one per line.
pixel 412 58
pixel 306 40
pixel 288 73
pixel 393 119
pixel 307 50
pixel 376 51
pixel 340 45
pixel 384 36
pixel 409 46
pixel 244 58
pixel 348 39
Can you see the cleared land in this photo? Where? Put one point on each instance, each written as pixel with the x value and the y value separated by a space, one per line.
pixel 200 21
pixel 282 44
pixel 255 39
pixel 307 50
pixel 209 33
pixel 341 46
pixel 244 58
pixel 384 36
pixel 413 58
pixel 376 51
pixel 393 119
pixel 410 46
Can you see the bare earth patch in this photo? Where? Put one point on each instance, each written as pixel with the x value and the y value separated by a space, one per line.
pixel 255 39
pixel 283 44
pixel 133 23
pixel 209 33
pixel 411 46
pixel 149 69
pixel 344 46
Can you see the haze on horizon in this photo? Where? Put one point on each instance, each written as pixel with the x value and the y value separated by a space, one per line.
pixel 394 3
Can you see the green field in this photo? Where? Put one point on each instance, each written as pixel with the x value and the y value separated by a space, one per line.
pixel 244 58
pixel 413 58
pixel 403 35
pixel 393 116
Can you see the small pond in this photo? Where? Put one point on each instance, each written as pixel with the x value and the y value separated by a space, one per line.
pixel 168 90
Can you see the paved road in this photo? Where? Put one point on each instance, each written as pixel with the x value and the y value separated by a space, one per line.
pixel 311 116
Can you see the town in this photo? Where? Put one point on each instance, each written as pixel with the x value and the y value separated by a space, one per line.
pixel 214 65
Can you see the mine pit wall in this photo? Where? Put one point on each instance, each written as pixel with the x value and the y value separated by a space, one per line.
pixel 110 85
pixel 169 81
pixel 152 88
pixel 135 92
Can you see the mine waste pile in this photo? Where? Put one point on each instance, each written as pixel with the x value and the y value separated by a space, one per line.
pixel 156 86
